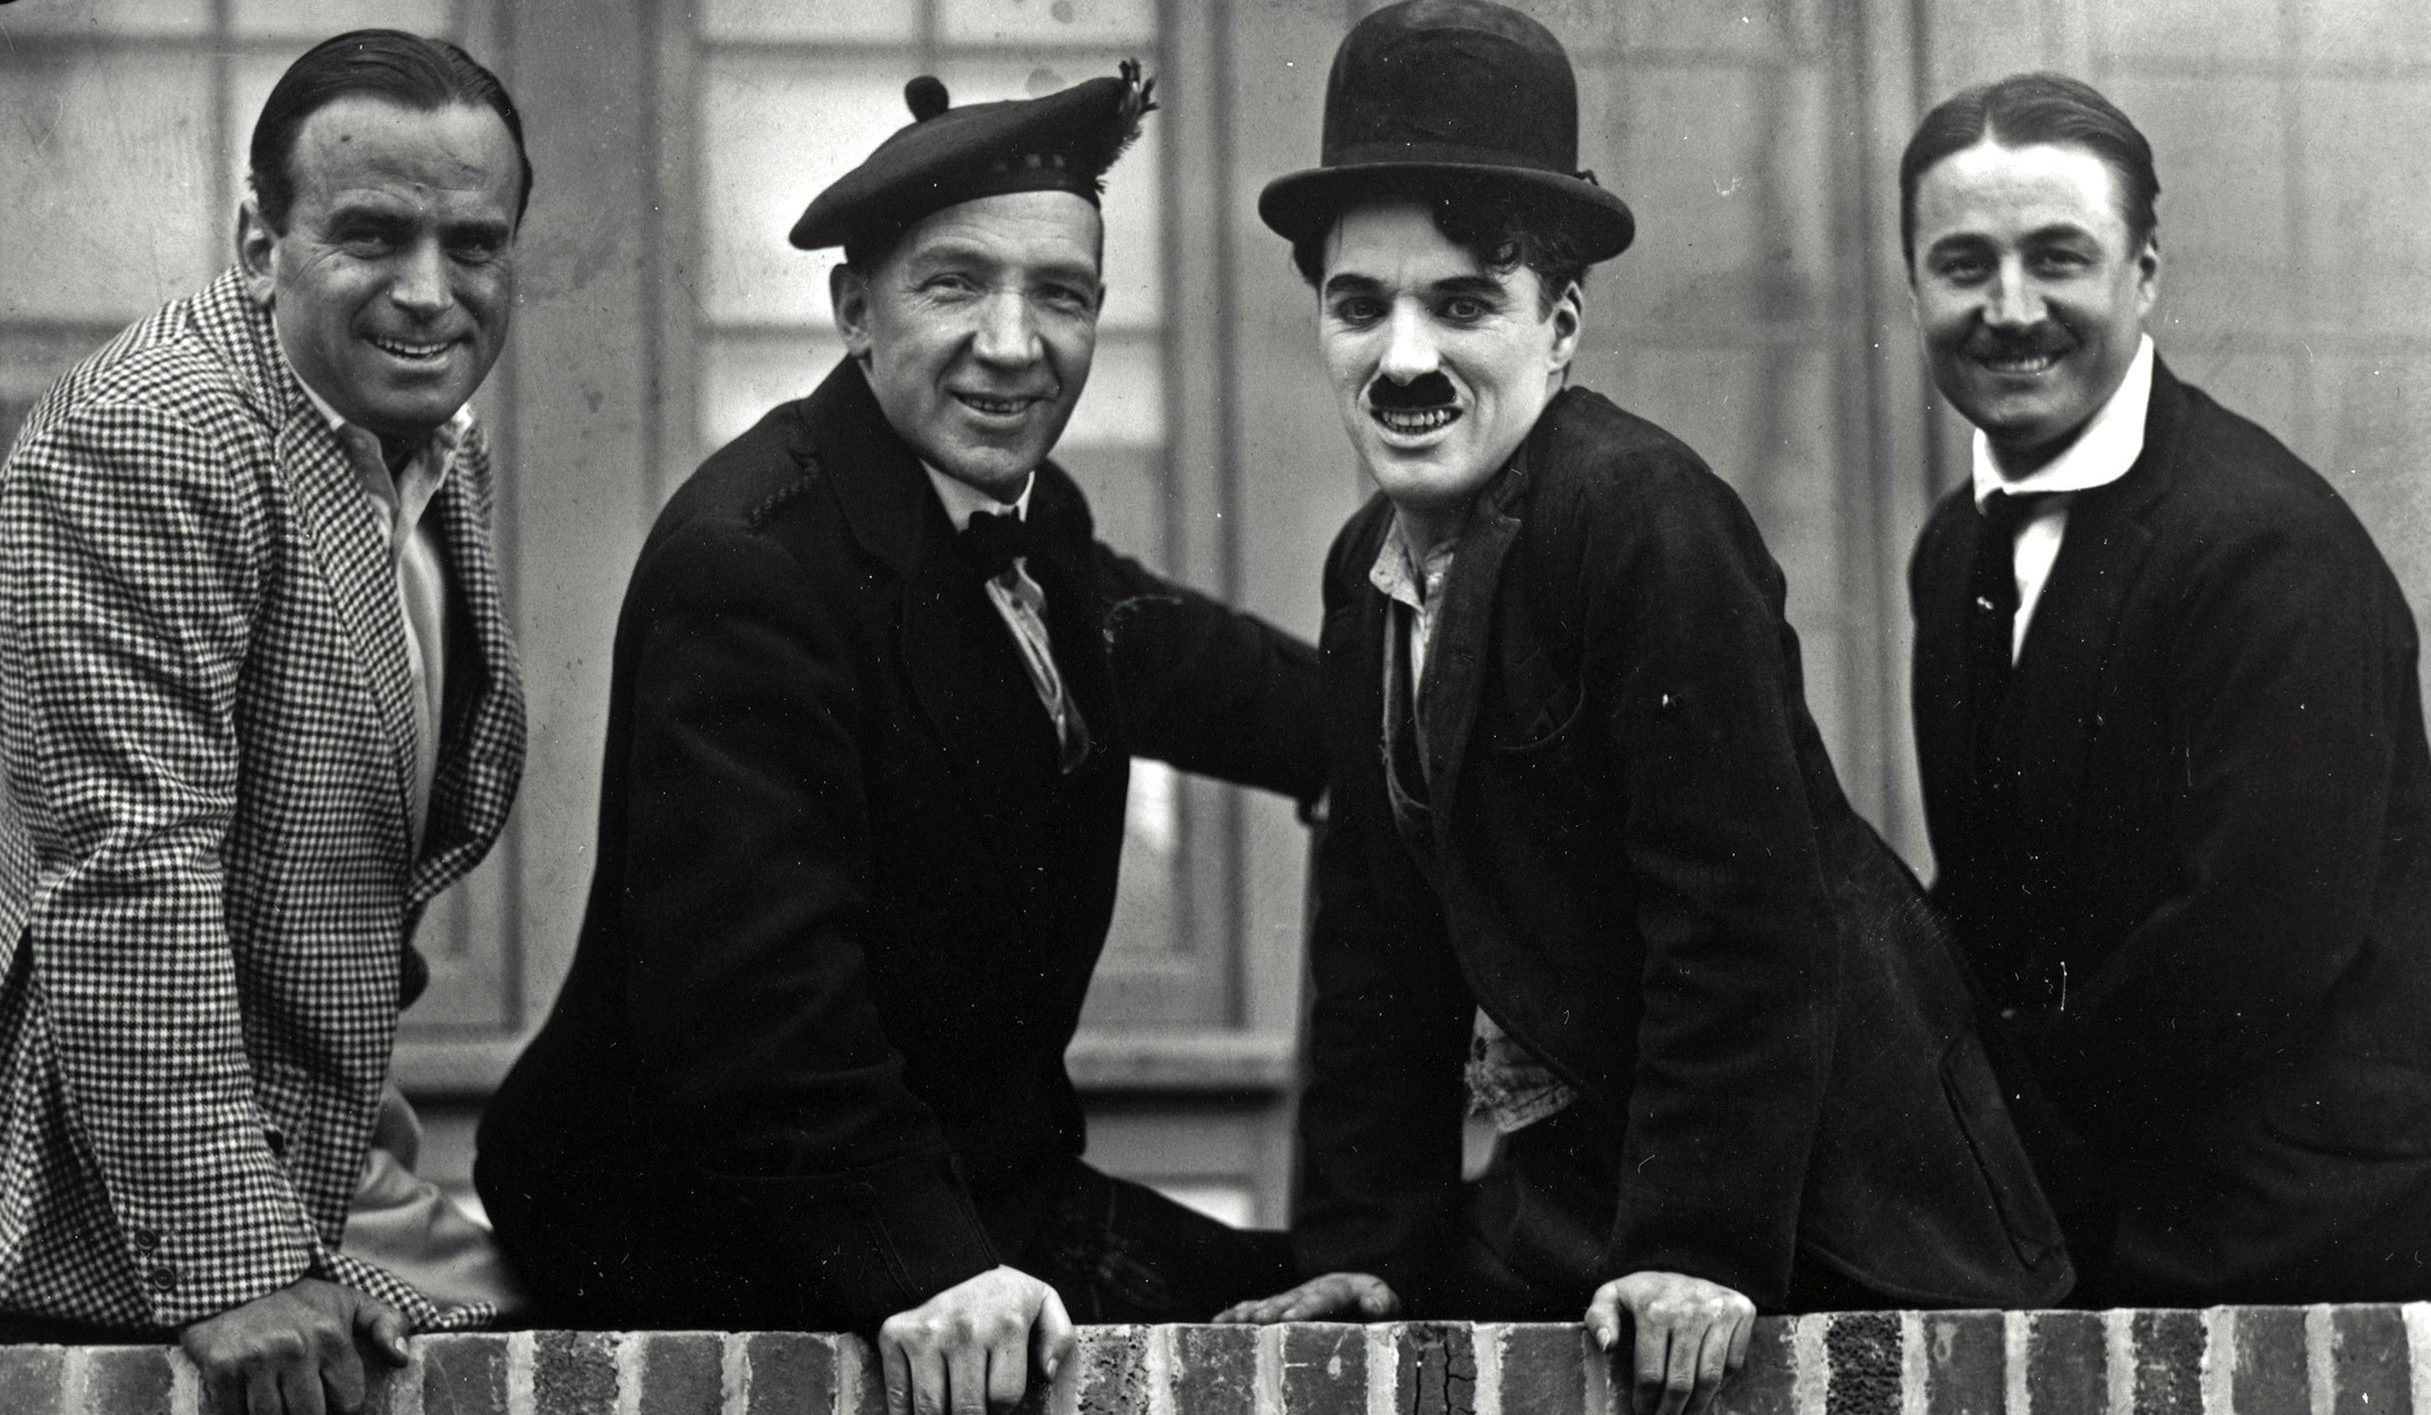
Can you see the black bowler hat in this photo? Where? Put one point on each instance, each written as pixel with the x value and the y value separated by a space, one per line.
pixel 1062 142
pixel 1429 93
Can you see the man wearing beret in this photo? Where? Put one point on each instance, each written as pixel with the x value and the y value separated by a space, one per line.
pixel 1588 872
pixel 2171 731
pixel 876 691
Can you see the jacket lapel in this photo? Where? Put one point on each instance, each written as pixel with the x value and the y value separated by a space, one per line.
pixel 949 629
pixel 481 746
pixel 2068 642
pixel 343 528
pixel 1454 677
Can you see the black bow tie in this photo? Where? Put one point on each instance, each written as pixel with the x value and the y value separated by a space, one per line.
pixel 994 541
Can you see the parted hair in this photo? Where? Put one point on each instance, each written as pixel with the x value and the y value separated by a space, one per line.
pixel 406 69
pixel 1500 226
pixel 2028 109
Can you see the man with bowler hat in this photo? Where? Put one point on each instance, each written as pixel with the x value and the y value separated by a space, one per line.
pixel 1588 872
pixel 876 692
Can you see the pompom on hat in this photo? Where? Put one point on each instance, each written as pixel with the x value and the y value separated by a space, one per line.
pixel 1434 94
pixel 1060 142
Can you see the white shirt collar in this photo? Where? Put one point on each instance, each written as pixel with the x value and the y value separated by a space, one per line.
pixel 2112 440
pixel 963 500
pixel 444 437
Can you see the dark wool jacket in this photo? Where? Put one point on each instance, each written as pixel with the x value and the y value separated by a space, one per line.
pixel 1644 869
pixel 2210 915
pixel 808 1068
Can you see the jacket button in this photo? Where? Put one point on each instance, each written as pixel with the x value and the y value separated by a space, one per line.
pixel 162 1279
pixel 277 1140
pixel 146 1239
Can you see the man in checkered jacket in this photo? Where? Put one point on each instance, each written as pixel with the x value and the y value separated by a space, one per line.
pixel 258 705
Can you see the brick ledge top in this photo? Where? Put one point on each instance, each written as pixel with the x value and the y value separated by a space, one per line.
pixel 2349 1360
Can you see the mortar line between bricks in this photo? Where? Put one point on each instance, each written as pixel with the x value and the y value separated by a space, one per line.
pixel 1810 1368
pixel 405 1394
pixel 520 1399
pixel 2417 1316
pixel 1383 1370
pixel 2119 1360
pixel 185 1385
pixel 1601 1398
pixel 2220 1349
pixel 1486 1347
pixel 1914 1375
pixel 2016 1327
pixel 2320 1343
pixel 630 1349
pixel 1157 1361
pixel 1267 1374
pixel 857 1374
pixel 75 1379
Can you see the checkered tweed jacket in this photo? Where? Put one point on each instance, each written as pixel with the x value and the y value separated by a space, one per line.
pixel 206 887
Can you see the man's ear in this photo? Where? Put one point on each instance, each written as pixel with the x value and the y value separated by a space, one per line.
pixel 848 293
pixel 257 251
pixel 1569 317
pixel 2148 272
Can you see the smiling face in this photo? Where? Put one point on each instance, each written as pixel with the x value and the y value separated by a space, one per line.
pixel 1440 365
pixel 977 330
pixel 2028 292
pixel 393 283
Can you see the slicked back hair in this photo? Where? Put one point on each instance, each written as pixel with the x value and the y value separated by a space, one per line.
pixel 2026 110
pixel 400 68
pixel 1500 227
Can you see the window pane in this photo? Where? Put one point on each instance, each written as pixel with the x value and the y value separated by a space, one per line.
pixel 811 19
pixel 316 20
pixel 109 180
pixel 1047 21
pixel 774 133
pixel 1134 201
pixel 108 17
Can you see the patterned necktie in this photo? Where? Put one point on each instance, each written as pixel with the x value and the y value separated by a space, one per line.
pixel 996 543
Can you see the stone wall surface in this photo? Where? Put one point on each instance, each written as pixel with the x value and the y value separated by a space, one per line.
pixel 2246 1360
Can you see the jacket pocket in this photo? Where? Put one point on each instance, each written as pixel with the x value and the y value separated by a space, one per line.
pixel 2008 1173
pixel 1542 709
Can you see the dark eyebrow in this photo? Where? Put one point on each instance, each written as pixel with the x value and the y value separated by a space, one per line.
pixel 1347 284
pixel 1484 287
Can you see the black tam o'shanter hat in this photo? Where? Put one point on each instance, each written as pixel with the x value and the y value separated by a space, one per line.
pixel 1431 94
pixel 1061 142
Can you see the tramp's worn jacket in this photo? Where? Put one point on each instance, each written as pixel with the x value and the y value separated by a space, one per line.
pixel 1621 836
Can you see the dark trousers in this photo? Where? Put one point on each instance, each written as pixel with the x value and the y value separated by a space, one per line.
pixel 1533 1229
pixel 1116 1251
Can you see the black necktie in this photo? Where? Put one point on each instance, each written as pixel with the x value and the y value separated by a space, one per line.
pixel 1991 630
pixel 994 541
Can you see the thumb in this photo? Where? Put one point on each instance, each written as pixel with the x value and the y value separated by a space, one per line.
pixel 1604 1316
pixel 380 1324
pixel 1376 1299
pixel 1050 1336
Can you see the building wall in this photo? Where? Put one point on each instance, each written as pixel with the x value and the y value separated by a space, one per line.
pixel 1761 315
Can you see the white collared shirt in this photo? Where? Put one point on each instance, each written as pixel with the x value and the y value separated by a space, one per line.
pixel 399 500
pixel 2110 443
pixel 1022 603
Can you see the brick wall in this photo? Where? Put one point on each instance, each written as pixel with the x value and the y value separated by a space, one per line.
pixel 2250 1360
